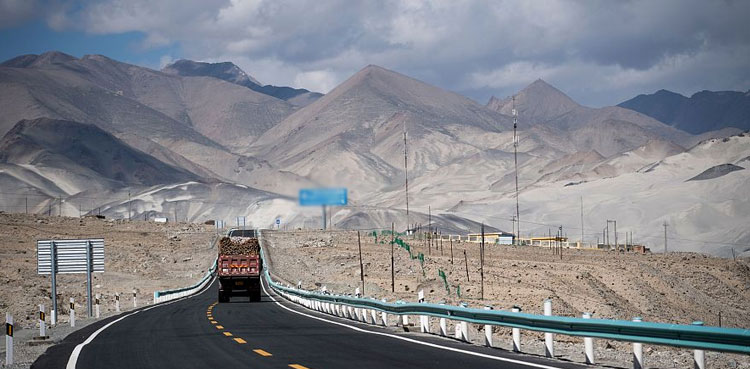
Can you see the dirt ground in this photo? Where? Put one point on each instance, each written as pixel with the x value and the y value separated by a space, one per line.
pixel 674 288
pixel 141 256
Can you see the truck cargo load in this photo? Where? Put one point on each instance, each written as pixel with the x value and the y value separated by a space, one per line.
pixel 239 265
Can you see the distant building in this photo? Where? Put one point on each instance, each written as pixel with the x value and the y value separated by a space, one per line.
pixel 500 238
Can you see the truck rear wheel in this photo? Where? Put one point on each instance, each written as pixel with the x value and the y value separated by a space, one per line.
pixel 223 297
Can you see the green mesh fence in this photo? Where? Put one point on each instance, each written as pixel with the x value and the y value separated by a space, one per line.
pixel 441 274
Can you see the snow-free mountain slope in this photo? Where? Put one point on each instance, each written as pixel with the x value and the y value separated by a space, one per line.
pixel 84 149
pixel 703 112
pixel 230 72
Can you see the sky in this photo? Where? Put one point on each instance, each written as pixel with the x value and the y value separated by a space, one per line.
pixel 598 52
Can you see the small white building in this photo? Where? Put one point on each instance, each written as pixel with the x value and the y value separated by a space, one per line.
pixel 498 238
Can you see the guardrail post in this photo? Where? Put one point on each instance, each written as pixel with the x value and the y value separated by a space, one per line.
pixel 96 306
pixel 384 316
pixel 117 302
pixel 443 326
pixel 465 331
pixel 699 356
pixel 549 338
pixel 374 316
pixel 8 339
pixel 465 326
pixel 516 333
pixel 135 300
pixel 405 320
pixel 424 322
pixel 488 331
pixel 72 312
pixel 42 324
pixel 637 350
pixel 588 344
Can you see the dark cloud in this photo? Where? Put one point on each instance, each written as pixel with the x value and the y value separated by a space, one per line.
pixel 599 52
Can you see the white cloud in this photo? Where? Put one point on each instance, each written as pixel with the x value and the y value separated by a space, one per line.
pixel 316 80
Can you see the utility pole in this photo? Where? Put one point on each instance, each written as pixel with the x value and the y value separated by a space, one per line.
pixel 466 263
pixel 406 180
pixel 513 224
pixel 129 206
pixel 361 265
pixel 481 264
pixel 515 158
pixel 429 229
pixel 665 237
pixel 393 270
pixel 581 221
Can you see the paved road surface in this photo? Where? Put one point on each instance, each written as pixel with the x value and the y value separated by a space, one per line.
pixel 199 333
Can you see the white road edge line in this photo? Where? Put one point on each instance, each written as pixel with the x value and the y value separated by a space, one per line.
pixel 73 360
pixel 412 340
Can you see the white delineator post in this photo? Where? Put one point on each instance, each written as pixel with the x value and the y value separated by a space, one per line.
pixel 42 325
pixel 405 320
pixel 637 350
pixel 488 331
pixel 135 301
pixel 8 339
pixel 72 312
pixel 549 338
pixel 516 333
pixel 699 356
pixel 96 306
pixel 588 344
pixel 117 302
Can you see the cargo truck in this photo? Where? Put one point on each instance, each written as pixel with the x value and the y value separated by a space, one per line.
pixel 239 265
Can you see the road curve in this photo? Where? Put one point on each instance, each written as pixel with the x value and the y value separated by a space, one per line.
pixel 199 333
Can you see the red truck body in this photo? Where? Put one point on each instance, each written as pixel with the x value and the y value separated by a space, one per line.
pixel 239 274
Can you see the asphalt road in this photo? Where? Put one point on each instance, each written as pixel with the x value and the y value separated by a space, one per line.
pixel 199 333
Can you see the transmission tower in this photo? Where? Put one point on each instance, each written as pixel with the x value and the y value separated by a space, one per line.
pixel 406 181
pixel 515 158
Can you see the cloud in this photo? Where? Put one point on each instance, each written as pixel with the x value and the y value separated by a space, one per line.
pixel 599 51
pixel 15 12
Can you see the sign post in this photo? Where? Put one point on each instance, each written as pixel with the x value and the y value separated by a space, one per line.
pixel 70 257
pixel 323 197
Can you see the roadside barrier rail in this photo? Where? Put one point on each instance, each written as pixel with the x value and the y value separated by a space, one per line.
pixel 693 336
pixel 168 295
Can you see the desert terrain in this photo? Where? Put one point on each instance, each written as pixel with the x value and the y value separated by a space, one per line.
pixel 140 256
pixel 672 288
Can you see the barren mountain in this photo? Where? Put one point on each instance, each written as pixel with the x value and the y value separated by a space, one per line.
pixel 703 112
pixel 354 134
pixel 229 72
pixel 78 157
pixel 608 130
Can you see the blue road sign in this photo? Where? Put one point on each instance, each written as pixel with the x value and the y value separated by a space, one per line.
pixel 278 221
pixel 322 196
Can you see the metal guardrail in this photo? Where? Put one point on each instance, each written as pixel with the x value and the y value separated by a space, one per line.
pixel 166 295
pixel 689 336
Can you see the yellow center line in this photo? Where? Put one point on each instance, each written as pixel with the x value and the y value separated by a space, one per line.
pixel 297 366
pixel 240 340
pixel 262 352
pixel 213 322
pixel 219 327
pixel 227 334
